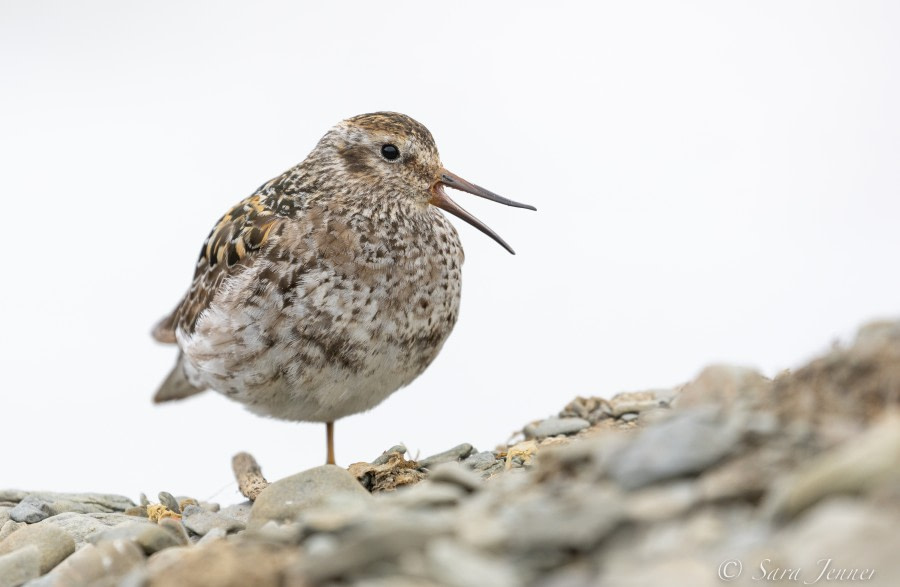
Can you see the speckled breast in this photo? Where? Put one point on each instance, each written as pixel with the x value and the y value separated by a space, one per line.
pixel 341 311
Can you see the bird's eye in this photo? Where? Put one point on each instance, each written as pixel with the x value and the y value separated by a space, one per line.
pixel 390 152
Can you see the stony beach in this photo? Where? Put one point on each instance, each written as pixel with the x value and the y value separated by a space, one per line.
pixel 730 478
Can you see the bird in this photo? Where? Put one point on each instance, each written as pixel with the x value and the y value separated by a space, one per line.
pixel 332 285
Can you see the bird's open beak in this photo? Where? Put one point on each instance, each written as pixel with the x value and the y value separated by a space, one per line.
pixel 440 199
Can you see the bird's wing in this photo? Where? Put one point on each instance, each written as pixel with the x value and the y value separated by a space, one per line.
pixel 234 242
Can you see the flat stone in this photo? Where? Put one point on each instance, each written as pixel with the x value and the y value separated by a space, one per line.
pixel 168 500
pixel 53 544
pixel 105 563
pixel 200 521
pixel 72 502
pixel 386 455
pixel 20 566
pixel 148 536
pixel 426 494
pixel 30 510
pixel 727 385
pixel 481 461
pixel 686 443
pixel 456 474
pixel 635 402
pixel 80 526
pixel 555 427
pixel 629 417
pixel 457 453
pixel 286 499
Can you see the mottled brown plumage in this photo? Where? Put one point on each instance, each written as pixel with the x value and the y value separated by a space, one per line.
pixel 330 287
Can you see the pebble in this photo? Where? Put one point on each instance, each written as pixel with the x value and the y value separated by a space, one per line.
pixel 456 565
pixel 481 461
pixel 20 566
pixel 386 455
pixel 168 500
pixel 555 427
pixel 227 563
pixel 686 443
pixel 30 510
pixel 238 511
pixel 427 495
pixel 286 499
pixel 52 544
pixel 80 526
pixel 634 401
pixel 457 453
pixel 629 417
pixel 84 503
pixel 105 563
pixel 200 521
pixel 456 474
pixel 148 536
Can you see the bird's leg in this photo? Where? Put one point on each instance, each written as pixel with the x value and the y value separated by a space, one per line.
pixel 329 434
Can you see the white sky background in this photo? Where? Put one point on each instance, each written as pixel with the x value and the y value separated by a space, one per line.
pixel 715 182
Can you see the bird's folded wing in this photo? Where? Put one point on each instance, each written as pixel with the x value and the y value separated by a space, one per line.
pixel 235 242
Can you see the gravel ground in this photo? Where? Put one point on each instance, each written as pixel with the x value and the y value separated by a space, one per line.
pixel 730 478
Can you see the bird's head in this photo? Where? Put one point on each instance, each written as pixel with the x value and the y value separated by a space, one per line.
pixel 387 152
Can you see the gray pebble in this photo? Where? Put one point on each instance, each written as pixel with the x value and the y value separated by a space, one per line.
pixel 285 500
pixel 628 417
pixel 481 461
pixel 72 502
pixel 555 427
pixel 211 536
pixel 80 526
pixel 686 443
pixel 386 455
pixel 168 500
pixel 457 453
pixel 30 510
pixel 52 543
pixel 150 537
pixel 200 521
pixel 238 511
pixel 455 474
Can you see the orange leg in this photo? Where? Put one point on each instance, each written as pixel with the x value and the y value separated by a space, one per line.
pixel 329 434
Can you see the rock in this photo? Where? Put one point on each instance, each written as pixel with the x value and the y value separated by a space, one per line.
pixel 592 409
pixel 200 521
pixel 238 511
pixel 686 443
pixel 635 402
pixel 456 565
pixel 391 474
pixel 9 527
pixel 629 417
pixel 52 544
pixel 285 500
pixel 168 500
pixel 386 455
pixel 213 535
pixel 226 564
pixel 174 527
pixel 4 514
pixel 661 502
pixel 80 526
pixel 457 453
pixel 104 564
pixel 20 566
pixel 481 461
pixel 555 427
pixel 861 465
pixel 427 495
pixel 84 503
pixel 30 510
pixel 148 536
pixel 725 385
pixel 455 474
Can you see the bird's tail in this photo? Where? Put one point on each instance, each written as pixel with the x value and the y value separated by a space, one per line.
pixel 176 385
